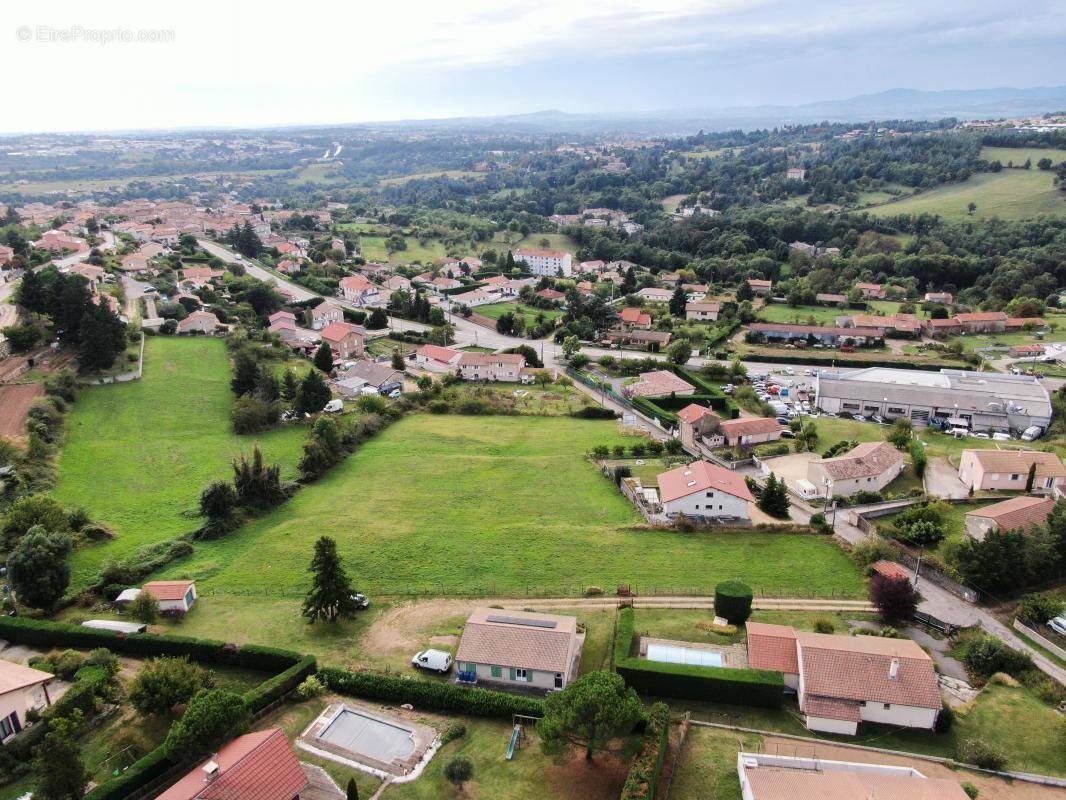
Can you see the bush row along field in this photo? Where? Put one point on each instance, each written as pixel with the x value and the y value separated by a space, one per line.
pixel 138 454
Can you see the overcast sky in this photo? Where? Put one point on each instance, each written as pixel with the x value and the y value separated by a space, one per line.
pixel 303 62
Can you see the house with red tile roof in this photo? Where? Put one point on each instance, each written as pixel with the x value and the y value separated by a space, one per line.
pixel 827 299
pixel 702 312
pixel 946 298
pixel 173 596
pixel 345 339
pixel 698 426
pixel 704 490
pixel 1021 323
pixel 1008 470
pixel 869 467
pixel 1022 512
pixel 491 366
pixel 635 318
pixel 759 286
pixel 982 322
pixel 891 570
pixel 552 294
pixel 256 766
pixel 325 313
pixel 199 322
pixel 520 648
pixel 434 358
pixel 871 291
pixel 750 431
pixel 845 680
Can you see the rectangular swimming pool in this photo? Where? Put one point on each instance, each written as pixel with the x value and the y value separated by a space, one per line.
pixel 675 654
pixel 369 736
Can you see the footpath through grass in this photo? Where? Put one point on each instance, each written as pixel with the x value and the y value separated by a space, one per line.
pixel 446 505
pixel 138 454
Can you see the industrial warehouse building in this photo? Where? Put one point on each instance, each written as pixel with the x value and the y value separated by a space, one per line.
pixel 979 401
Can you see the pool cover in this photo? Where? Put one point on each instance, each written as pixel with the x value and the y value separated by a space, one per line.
pixel 369 736
pixel 673 654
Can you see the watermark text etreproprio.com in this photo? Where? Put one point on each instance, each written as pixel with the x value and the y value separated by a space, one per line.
pixel 77 34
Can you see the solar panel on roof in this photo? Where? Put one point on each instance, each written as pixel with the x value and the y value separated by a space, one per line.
pixel 533 623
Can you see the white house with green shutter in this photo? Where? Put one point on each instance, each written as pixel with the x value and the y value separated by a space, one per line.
pixel 521 648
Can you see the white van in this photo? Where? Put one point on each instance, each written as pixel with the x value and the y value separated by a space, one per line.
pixel 334 406
pixel 1032 433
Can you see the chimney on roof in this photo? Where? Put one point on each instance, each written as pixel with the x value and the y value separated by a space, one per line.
pixel 211 771
pixel 893 670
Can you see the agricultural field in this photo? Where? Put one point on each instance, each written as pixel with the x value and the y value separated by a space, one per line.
pixel 1010 194
pixel 138 454
pixel 447 504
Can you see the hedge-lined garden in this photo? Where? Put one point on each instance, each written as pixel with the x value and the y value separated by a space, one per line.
pixel 647 767
pixel 751 687
pixel 290 670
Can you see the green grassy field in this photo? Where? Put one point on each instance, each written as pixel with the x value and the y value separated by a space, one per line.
pixel 444 173
pixel 374 249
pixel 1010 194
pixel 529 313
pixel 446 504
pixel 138 454
pixel 1018 155
pixel 801 315
pixel 556 241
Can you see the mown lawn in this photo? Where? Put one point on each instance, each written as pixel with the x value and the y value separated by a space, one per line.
pixel 802 315
pixel 138 454
pixel 530 314
pixel 530 774
pixel 446 504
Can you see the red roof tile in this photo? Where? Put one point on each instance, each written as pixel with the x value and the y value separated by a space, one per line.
pixel 772 647
pixel 256 766
pixel 167 590
pixel 700 476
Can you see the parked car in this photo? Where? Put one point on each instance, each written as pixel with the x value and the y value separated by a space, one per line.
pixel 878 419
pixel 395 394
pixel 1000 436
pixel 1058 624
pixel 790 371
pixel 334 406
pixel 783 420
pixel 981 436
pixel 787 434
pixel 361 601
pixel 436 660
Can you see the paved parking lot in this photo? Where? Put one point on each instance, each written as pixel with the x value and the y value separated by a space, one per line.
pixel 792 467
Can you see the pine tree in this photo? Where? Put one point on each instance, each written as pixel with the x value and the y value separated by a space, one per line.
pixel 352 793
pixel 331 592
pixel 313 393
pixel 288 386
pixel 245 373
pixel 103 337
pixel 324 358
pixel 678 302
pixel 774 499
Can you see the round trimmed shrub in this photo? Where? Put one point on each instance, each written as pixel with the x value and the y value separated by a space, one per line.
pixel 732 600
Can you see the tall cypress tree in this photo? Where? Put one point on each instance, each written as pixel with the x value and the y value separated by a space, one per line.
pixel 324 358
pixel 331 592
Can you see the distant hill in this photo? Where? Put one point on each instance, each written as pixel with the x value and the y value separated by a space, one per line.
pixel 890 104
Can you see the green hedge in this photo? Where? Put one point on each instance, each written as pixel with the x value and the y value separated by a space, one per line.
pixel 280 685
pixel 733 600
pixel 42 633
pixel 430 695
pixel 624 633
pixel 145 769
pixel 594 412
pixel 642 782
pixel 744 687
pixel 740 687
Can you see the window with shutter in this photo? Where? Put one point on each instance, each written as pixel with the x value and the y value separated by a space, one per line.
pixel 496 672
